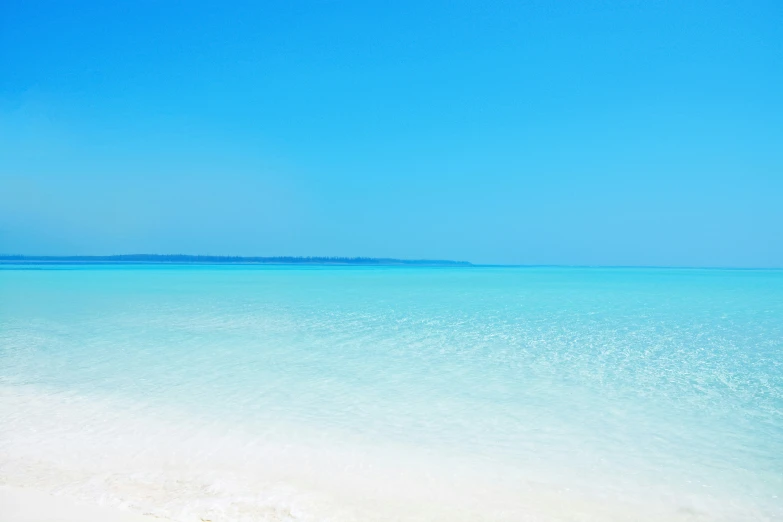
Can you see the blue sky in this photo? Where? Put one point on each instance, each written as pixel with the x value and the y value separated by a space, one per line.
pixel 533 132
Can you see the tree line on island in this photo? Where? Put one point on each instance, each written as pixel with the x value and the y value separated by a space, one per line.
pixel 202 259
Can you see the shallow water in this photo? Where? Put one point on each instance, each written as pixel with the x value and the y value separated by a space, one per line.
pixel 354 393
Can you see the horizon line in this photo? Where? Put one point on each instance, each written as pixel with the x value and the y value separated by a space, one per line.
pixel 206 259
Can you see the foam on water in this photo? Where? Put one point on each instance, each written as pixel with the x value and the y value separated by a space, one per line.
pixel 230 393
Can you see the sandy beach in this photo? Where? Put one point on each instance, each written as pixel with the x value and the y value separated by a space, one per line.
pixel 28 505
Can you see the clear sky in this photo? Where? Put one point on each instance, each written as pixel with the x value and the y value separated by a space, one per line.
pixel 533 132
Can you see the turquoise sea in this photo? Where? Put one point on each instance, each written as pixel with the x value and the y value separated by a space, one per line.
pixel 238 393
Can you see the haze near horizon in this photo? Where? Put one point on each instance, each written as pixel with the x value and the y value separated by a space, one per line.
pixel 629 133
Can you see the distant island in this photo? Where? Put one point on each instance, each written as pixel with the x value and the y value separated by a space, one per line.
pixel 231 260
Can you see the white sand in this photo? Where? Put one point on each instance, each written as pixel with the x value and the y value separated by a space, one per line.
pixel 26 505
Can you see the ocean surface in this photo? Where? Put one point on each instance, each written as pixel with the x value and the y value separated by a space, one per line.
pixel 239 393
